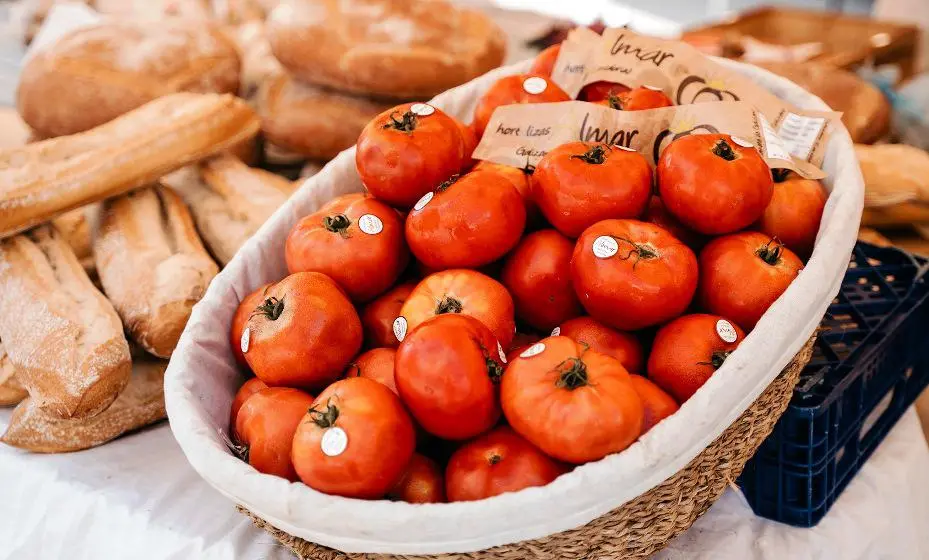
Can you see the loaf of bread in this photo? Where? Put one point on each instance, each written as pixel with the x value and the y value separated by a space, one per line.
pixel 61 334
pixel 152 265
pixel 229 201
pixel 96 74
pixel 11 390
pixel 399 49
pixel 314 122
pixel 893 174
pixel 141 404
pixel 42 180
pixel 258 62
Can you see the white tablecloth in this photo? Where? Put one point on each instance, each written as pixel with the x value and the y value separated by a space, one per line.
pixel 137 497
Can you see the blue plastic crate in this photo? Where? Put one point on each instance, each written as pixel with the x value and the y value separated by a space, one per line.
pixel 870 362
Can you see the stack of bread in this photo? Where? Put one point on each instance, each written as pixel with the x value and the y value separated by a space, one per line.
pixel 137 187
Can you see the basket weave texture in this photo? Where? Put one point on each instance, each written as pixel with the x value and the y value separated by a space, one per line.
pixel 642 526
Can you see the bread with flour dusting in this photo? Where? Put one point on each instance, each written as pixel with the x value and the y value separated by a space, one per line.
pixel 61 334
pixel 152 265
pixel 229 200
pixel 95 74
pixel 11 390
pixel 397 49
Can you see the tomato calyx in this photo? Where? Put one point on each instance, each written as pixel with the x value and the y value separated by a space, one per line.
pixel 271 308
pixel 448 304
pixel 722 149
pixel 780 175
pixel 494 369
pixel 614 101
pixel 572 374
pixel 447 183
pixel 642 251
pixel 406 122
pixel 594 155
pixel 494 459
pixel 528 169
pixel 337 224
pixel 240 450
pixel 324 418
pixel 770 255
pixel 716 359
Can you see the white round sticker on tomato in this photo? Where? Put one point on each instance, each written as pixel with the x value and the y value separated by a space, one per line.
pixel 422 109
pixel 422 202
pixel 400 328
pixel 742 142
pixel 726 331
pixel 556 331
pixel 334 441
pixel 370 224
pixel 605 247
pixel 501 352
pixel 245 340
pixel 533 350
pixel 535 85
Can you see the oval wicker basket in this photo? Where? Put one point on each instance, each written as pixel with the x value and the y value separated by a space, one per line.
pixel 643 525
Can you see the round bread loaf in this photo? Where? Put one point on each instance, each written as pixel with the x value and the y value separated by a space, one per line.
pixel 399 49
pixel 96 74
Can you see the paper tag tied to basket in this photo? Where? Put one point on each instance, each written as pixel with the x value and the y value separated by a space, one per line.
pixel 687 77
pixel 519 135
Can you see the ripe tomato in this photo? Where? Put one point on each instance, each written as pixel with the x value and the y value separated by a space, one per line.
pixel 378 317
pixel 712 184
pixel 545 61
pixel 630 274
pixel 242 313
pixel 403 154
pixel 573 403
pixel 304 334
pixel 519 178
pixel 355 240
pixel 538 275
pixel 447 370
pixel 376 364
pixel 468 221
pixel 623 346
pixel 511 90
pixel 794 213
pixel 266 424
pixel 355 441
pixel 247 389
pixel 460 291
pixel 471 140
pixel 657 214
pixel 421 483
pixel 637 99
pixel 688 350
pixel 598 91
pixel 658 404
pixel 742 274
pixel 497 462
pixel 578 184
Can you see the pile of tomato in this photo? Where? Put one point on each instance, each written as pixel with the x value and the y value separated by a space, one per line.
pixel 470 329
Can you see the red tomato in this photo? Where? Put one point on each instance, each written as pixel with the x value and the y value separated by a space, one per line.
pixel 630 274
pixel 578 184
pixel 421 483
pixel 446 372
pixel 573 403
pixel 519 178
pixel 545 61
pixel 657 214
pixel 247 389
pixel 794 213
pixel 598 91
pixel 471 140
pixel 637 99
pixel 688 350
pixel 355 240
pixel 376 364
pixel 469 221
pixel 658 404
pixel 742 274
pixel 242 313
pixel 378 317
pixel 304 334
pixel 712 184
pixel 402 155
pixel 460 291
pixel 497 462
pixel 356 440
pixel 511 90
pixel 538 275
pixel 623 346
pixel 266 424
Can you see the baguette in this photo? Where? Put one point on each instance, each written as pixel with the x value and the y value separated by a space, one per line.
pixel 152 265
pixel 11 390
pixel 42 180
pixel 61 334
pixel 229 201
pixel 141 404
pixel 893 174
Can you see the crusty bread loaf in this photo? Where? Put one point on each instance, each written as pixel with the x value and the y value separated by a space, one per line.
pixel 387 48
pixel 141 404
pixel 11 390
pixel 42 180
pixel 229 201
pixel 152 265
pixel 61 334
pixel 96 74
pixel 893 174
pixel 258 62
pixel 315 122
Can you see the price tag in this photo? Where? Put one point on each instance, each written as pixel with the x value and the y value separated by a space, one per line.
pixel 773 144
pixel 799 133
